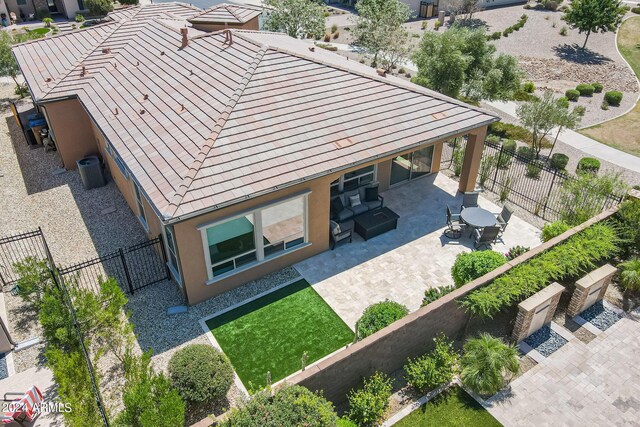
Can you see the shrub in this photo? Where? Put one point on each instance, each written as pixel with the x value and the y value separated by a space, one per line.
pixel 630 275
pixel 529 87
pixel 559 161
pixel 496 35
pixel 487 166
pixel 79 18
pixel 504 160
pixel 597 87
pixel 510 131
pixel 527 153
pixel 368 404
pixel 437 25
pixel 585 89
pixel 148 398
pixel 334 28
pixel 34 278
pixel 580 110
pixel 553 229
pixel 505 188
pixel 509 145
pixel 200 373
pixel 588 165
pixel 327 38
pixel 379 316
pixel 47 22
pixel 534 168
pixel 635 10
pixel 604 105
pixel 563 102
pixel 564 31
pixel 572 94
pixel 578 254
pixel 458 160
pixel 613 97
pixel 433 294
pixel 628 218
pixel 584 196
pixel 471 265
pixel 515 252
pixel 345 422
pixel 432 370
pixel 492 139
pixel 99 7
pixel 486 363
pixel 291 405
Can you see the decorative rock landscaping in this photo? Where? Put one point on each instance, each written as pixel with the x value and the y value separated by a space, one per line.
pixel 546 341
pixel 4 372
pixel 601 316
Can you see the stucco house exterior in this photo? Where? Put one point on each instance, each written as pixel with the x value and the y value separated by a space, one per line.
pixel 230 143
pixel 38 8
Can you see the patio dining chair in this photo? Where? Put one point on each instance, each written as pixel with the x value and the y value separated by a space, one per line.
pixel 454 225
pixel 470 200
pixel 338 233
pixel 503 218
pixel 486 236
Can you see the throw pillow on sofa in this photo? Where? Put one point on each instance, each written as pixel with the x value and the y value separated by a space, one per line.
pixel 355 201
pixel 371 194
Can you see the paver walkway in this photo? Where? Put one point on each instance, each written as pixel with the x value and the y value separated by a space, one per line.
pixel 595 384
pixel 401 264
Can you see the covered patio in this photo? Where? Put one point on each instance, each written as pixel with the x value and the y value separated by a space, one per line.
pixel 401 264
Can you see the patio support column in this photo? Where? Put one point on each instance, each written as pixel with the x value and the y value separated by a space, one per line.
pixel 437 157
pixel 472 158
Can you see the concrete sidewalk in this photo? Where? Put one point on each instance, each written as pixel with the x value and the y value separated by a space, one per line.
pixel 583 143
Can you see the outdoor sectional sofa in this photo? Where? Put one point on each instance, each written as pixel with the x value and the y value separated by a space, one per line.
pixel 341 204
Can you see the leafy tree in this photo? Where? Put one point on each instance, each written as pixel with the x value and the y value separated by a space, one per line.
pixel 8 65
pixel 99 7
pixel 149 400
pixel 487 363
pixel 464 8
pixel 461 60
pixel 395 51
pixel 368 404
pixel 540 116
pixel 289 406
pixel 379 25
pixel 594 16
pixel 297 18
pixel 565 119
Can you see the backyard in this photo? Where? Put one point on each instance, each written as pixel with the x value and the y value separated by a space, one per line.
pixel 623 132
pixel 271 333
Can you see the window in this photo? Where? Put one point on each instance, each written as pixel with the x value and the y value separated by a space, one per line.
pixel 21 2
pixel 141 214
pixel 353 179
pixel 172 252
pixel 256 236
pixel 118 161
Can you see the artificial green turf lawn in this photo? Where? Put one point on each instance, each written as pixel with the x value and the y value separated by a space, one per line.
pixel 272 332
pixel 454 408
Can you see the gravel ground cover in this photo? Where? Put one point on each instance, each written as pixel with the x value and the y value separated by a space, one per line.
pixel 600 316
pixel 545 340
pixel 4 372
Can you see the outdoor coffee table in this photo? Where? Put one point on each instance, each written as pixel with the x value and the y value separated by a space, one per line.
pixel 375 222
pixel 477 218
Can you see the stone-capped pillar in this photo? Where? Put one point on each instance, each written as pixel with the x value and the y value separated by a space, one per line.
pixel 472 158
pixel 591 289
pixel 537 311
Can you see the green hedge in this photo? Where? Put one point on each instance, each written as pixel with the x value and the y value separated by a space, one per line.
pixel 613 97
pixel 471 265
pixel 572 94
pixel 588 165
pixel 378 316
pixel 559 161
pixel 578 254
pixel 585 89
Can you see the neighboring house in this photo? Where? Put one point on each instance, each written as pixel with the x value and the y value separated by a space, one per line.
pixel 225 16
pixel 230 143
pixel 40 8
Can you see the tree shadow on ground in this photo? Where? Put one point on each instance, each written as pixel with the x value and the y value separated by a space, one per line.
pixel 575 53
pixel 471 23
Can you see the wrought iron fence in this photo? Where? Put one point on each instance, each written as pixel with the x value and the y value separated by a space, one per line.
pixel 134 267
pixel 18 247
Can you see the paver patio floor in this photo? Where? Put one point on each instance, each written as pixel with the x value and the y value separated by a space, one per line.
pixel 595 384
pixel 401 264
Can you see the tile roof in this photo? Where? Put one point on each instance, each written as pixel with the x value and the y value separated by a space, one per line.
pixel 217 122
pixel 227 13
pixel 155 10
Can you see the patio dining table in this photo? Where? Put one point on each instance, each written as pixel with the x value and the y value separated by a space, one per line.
pixel 477 218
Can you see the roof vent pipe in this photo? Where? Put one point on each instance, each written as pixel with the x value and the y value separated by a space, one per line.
pixel 228 38
pixel 185 37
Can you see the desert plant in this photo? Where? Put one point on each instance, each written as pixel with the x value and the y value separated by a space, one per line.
pixel 559 161
pixel 79 18
pixel 564 31
pixel 33 278
pixel 504 158
pixel 534 168
pixel 515 252
pixel 200 373
pixel 588 165
pixel 471 265
pixel 368 404
pixel 563 102
pixel 487 364
pixel 553 229
pixel 47 22
pixel 378 316
pixel 336 34
pixel 585 89
pixel 492 139
pixel 604 105
pixel 434 369
pixel 487 166
pixel 585 196
pixel 628 218
pixel 526 153
pixel 529 87
pixel 496 35
pixel 572 94
pixel 437 25
pixel 433 294
pixel 327 37
pixel 613 97
pixel 505 188
pixel 597 87
pixel 334 28
pixel 458 160
pixel 629 278
pixel 635 10
pixel 509 145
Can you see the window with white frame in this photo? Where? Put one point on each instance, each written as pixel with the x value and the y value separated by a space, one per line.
pixel 354 179
pixel 141 213
pixel 172 252
pixel 255 236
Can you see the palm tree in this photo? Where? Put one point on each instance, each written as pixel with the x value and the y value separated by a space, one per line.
pixel 486 363
pixel 630 275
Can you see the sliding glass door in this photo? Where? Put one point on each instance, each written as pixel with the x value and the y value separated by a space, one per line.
pixel 411 166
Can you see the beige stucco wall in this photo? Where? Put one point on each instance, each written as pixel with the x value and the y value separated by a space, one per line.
pixel 72 130
pixel 72 9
